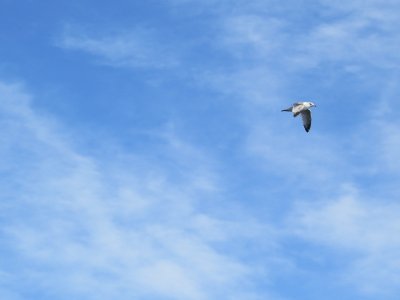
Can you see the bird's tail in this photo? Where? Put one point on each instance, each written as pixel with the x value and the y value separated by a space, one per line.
pixel 287 109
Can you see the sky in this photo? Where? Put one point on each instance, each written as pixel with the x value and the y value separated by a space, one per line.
pixel 144 154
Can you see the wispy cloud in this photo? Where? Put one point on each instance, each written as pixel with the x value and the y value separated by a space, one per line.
pixel 76 225
pixel 136 48
pixel 293 37
pixel 363 230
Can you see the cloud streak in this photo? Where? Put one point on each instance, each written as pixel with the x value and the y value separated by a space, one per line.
pixel 86 228
pixel 363 230
pixel 137 48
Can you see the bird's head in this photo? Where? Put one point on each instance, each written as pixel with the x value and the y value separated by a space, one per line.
pixel 311 104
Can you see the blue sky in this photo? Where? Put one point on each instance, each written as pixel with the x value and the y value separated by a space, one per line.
pixel 144 154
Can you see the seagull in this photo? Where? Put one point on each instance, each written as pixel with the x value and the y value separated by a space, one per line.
pixel 303 109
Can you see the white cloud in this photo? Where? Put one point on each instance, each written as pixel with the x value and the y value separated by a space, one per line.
pixel 260 34
pixel 354 36
pixel 136 48
pixel 101 228
pixel 364 229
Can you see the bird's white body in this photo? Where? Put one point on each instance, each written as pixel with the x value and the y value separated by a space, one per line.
pixel 302 108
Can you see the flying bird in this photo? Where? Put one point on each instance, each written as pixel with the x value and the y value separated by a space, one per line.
pixel 303 109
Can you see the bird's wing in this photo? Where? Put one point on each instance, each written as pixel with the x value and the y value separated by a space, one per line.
pixel 306 116
pixel 297 104
pixel 298 109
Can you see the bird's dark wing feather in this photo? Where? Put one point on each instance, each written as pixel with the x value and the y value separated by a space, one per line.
pixel 306 116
